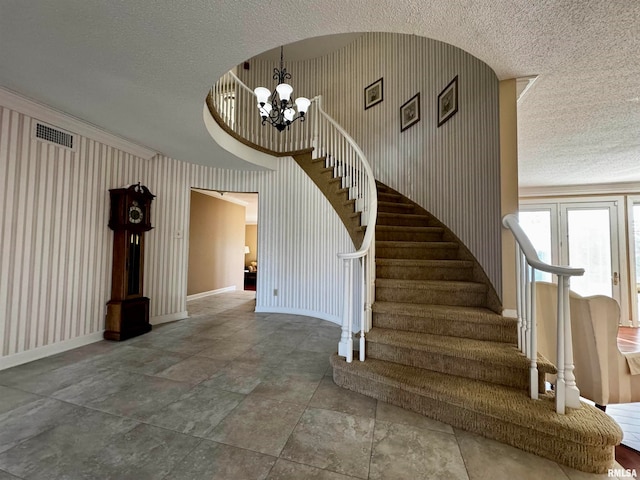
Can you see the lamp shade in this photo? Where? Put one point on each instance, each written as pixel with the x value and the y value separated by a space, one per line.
pixel 302 104
pixel 284 91
pixel 262 94
pixel 265 109
pixel 289 113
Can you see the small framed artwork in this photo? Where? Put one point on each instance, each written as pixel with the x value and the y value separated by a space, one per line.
pixel 373 94
pixel 448 102
pixel 410 112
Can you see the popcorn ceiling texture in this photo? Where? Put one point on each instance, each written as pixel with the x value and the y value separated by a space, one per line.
pixel 142 69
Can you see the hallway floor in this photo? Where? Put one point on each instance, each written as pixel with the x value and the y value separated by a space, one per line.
pixel 228 394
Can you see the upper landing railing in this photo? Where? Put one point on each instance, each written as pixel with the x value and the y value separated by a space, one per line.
pixel 527 263
pixel 234 107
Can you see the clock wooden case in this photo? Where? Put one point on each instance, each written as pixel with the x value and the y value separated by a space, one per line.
pixel 130 218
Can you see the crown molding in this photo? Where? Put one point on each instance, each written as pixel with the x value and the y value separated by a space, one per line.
pixel 569 190
pixel 44 113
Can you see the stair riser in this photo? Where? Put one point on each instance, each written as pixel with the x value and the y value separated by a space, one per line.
pixel 431 296
pixel 389 197
pixel 404 236
pixel 423 273
pixel 464 417
pixel 488 332
pixel 409 221
pixel 397 208
pixel 461 367
pixel 417 253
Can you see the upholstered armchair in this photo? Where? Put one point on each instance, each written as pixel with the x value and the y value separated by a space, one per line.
pixel 603 374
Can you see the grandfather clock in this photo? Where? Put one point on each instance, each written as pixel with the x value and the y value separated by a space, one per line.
pixel 128 309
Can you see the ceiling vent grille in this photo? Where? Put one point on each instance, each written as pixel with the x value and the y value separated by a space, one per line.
pixel 53 135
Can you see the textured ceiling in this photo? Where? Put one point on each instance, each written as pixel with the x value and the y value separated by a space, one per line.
pixel 141 69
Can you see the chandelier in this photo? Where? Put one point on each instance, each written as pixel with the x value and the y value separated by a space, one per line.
pixel 276 107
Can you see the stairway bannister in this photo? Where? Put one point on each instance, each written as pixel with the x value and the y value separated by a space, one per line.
pixel 527 263
pixel 233 105
pixel 359 178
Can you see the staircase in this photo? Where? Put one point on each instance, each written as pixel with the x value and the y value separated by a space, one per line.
pixel 439 347
pixel 438 344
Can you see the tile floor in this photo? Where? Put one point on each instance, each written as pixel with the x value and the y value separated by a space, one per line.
pixel 233 395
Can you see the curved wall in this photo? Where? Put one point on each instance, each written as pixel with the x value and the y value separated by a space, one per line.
pixel 453 170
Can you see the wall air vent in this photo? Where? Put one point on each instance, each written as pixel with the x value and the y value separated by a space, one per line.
pixel 54 135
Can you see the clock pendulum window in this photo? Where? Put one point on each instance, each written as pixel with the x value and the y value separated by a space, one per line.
pixel 130 218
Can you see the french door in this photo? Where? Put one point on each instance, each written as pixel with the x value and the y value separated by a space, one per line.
pixel 580 234
pixel 589 239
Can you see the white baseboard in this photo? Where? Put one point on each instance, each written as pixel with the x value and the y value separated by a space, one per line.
pixel 48 350
pixel 196 296
pixel 168 318
pixel 298 311
pixel 510 313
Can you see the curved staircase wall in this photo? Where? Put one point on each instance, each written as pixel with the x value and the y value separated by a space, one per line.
pixel 452 171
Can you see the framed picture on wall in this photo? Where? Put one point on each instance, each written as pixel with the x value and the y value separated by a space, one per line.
pixel 448 102
pixel 373 94
pixel 410 112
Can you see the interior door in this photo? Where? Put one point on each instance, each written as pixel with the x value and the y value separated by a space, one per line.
pixel 589 239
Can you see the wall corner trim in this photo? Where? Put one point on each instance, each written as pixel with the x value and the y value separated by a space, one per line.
pixel 48 350
pixel 39 111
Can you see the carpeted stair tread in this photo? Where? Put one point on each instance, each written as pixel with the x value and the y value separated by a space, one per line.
pixel 408 262
pixel 402 216
pixel 440 285
pixel 481 351
pixel 409 229
pixel 444 313
pixel 450 320
pixel 583 438
pixel 422 245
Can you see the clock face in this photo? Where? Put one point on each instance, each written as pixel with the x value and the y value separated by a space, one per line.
pixel 135 213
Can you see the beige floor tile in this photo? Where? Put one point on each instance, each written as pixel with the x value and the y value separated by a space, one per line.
pixel 259 424
pixel 490 460
pixel 390 413
pixel 285 470
pixel 401 451
pixel 333 441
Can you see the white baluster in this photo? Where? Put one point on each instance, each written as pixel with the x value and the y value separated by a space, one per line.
pixel 363 320
pixel 572 395
pixel 533 369
pixel 519 306
pixel 563 287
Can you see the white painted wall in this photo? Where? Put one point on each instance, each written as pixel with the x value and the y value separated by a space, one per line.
pixel 55 246
pixel 452 171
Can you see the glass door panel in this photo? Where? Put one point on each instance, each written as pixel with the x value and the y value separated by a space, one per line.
pixel 591 242
pixel 537 225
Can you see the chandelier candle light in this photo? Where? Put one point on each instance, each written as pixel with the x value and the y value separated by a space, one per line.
pixel 280 113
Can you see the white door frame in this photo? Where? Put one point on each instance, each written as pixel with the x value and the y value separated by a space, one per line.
pixel 631 201
pixel 619 201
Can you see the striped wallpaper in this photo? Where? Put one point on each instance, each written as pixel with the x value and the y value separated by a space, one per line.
pixel 453 171
pixel 55 256
pixel 55 247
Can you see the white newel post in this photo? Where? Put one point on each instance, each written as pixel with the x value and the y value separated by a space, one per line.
pixel 363 300
pixel 561 390
pixel 572 394
pixel 345 347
